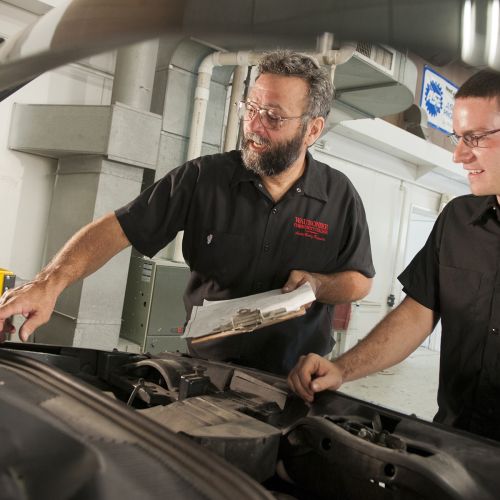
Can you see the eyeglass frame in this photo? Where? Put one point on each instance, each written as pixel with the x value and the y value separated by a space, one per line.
pixel 242 107
pixel 471 140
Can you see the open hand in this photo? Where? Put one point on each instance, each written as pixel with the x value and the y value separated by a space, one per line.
pixel 34 300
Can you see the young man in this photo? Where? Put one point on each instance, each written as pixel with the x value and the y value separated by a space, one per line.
pixel 456 276
pixel 268 216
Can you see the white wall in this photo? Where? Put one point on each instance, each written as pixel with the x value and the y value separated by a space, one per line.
pixel 26 180
pixel 54 3
pixel 390 188
pixel 13 19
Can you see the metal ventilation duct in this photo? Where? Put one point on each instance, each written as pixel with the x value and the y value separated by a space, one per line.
pixel 376 81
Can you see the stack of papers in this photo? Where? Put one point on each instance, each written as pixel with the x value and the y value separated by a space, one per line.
pixel 228 317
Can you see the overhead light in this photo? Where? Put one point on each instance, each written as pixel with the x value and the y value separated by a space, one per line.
pixel 474 27
pixel 467 30
pixel 492 36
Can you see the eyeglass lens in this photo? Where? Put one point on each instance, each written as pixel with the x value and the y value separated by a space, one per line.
pixel 247 112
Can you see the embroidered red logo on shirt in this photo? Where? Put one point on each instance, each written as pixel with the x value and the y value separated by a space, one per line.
pixel 308 228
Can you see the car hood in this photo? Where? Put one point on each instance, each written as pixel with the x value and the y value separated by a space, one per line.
pixel 81 423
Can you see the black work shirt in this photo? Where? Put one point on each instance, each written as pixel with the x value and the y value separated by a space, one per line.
pixel 457 274
pixel 238 241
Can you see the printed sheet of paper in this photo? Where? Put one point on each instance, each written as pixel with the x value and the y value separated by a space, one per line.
pixel 247 313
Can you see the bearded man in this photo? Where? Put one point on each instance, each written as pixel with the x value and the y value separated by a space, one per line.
pixel 266 217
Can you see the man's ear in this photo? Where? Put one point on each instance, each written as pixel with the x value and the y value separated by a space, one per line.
pixel 315 128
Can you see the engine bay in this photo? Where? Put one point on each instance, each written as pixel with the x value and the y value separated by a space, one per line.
pixel 336 448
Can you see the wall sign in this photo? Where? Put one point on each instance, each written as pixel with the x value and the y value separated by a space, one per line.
pixel 437 98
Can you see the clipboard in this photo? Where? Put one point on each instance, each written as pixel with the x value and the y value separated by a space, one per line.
pixel 216 319
pixel 248 320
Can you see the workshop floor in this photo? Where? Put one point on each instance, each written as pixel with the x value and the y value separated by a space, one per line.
pixel 409 387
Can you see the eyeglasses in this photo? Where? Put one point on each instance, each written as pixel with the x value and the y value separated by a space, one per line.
pixel 472 140
pixel 268 117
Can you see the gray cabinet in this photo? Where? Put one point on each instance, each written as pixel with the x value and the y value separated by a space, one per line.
pixel 153 311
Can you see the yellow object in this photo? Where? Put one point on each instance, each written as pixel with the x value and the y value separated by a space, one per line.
pixel 7 280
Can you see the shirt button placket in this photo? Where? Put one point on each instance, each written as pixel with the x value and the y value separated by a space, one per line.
pixel 267 244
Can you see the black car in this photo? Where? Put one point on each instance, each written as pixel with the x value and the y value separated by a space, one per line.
pixel 79 424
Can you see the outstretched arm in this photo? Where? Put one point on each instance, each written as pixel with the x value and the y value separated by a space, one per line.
pixel 88 250
pixel 391 341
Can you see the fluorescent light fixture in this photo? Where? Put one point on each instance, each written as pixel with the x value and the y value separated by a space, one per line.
pixel 474 21
pixel 492 43
pixel 468 20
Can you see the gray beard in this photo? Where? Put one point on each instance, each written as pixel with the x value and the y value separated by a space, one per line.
pixel 276 159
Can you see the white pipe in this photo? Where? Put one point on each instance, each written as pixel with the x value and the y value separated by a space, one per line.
pixel 233 123
pixel 404 214
pixel 202 92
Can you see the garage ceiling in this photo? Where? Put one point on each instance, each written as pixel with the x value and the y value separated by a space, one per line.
pixel 85 27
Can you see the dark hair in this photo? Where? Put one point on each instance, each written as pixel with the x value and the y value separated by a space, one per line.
pixel 484 83
pixel 289 63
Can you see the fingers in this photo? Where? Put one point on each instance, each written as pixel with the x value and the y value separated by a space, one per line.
pixel 300 388
pixel 295 279
pixel 33 321
pixel 6 329
pixel 312 374
pixel 33 304
pixel 6 313
pixel 25 332
pixel 301 376
pixel 328 381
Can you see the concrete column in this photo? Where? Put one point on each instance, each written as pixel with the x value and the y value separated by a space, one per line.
pixel 88 314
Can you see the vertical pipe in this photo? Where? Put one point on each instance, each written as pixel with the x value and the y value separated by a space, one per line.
pixel 231 136
pixel 202 92
pixel 201 96
pixel 404 213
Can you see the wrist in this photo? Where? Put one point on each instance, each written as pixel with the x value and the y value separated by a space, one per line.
pixel 342 370
pixel 316 283
pixel 53 278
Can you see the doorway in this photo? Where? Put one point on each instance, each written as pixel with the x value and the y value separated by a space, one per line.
pixel 419 227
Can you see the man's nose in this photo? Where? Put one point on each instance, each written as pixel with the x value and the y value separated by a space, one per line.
pixel 463 153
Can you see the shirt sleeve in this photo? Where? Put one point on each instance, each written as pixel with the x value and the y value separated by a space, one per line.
pixel 153 219
pixel 420 279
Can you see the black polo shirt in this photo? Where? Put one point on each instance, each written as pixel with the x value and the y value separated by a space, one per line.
pixel 457 274
pixel 238 242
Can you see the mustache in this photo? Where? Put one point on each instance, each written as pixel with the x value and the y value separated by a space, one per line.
pixel 263 141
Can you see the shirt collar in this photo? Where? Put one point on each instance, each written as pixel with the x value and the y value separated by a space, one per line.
pixel 488 207
pixel 242 174
pixel 310 183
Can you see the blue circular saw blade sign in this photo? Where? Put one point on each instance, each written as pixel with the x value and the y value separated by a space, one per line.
pixel 438 98
pixel 433 98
